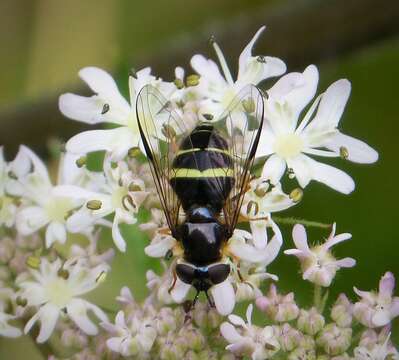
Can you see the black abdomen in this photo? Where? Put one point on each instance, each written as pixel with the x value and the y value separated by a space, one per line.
pixel 203 170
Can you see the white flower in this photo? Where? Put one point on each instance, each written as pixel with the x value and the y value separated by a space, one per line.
pixel 377 309
pixel 259 202
pixel 41 206
pixel 6 329
pixel 219 90
pixel 289 142
pixel 108 106
pixel 244 246
pixel 55 291
pixel 246 339
pixel 119 193
pixel 318 264
pixel 133 337
pixel 10 186
pixel 376 352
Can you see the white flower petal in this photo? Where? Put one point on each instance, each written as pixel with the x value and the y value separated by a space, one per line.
pixel 103 84
pixel 31 219
pixel 117 141
pixel 346 262
pixel 39 167
pixel 252 254
pixel 331 107
pixel 48 316
pixel 358 151
pixel 160 248
pixel 55 232
pixel 259 233
pixel 331 176
pixel 91 109
pixel 300 238
pixel 224 297
pixel 236 320
pixel 117 236
pixel 180 291
pixel 273 169
pixel 230 333
pixel 77 311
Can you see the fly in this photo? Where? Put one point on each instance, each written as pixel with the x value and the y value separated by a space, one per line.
pixel 201 172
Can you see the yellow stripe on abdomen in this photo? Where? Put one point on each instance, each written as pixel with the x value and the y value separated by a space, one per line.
pixel 208 173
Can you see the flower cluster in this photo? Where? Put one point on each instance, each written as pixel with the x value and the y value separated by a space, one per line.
pixel 52 221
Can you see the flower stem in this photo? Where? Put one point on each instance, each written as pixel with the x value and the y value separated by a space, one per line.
pixel 293 221
pixel 317 297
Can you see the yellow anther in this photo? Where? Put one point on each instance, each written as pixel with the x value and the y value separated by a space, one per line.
pixel 81 161
pixel 179 83
pixel 134 152
pixel 296 195
pixel 101 277
pixel 94 204
pixel 63 273
pixel 33 262
pixel 192 80
pixel 252 208
pixel 343 152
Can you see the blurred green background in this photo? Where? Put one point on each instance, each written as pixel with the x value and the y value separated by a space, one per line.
pixel 44 43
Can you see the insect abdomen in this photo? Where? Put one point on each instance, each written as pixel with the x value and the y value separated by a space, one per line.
pixel 202 172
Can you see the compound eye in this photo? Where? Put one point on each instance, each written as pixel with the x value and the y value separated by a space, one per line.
pixel 218 273
pixel 186 273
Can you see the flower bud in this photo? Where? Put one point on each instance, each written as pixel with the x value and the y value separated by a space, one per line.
pixel 301 354
pixel 278 307
pixel 341 311
pixel 7 248
pixel 205 317
pixel 165 321
pixel 74 338
pixel 192 338
pixel 5 273
pixel 310 321
pixel 288 337
pixel 334 339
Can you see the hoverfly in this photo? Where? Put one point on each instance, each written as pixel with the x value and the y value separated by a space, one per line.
pixel 201 173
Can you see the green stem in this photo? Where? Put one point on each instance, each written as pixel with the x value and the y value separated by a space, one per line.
pixel 317 297
pixel 293 221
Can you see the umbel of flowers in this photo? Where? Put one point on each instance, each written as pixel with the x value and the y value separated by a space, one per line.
pixel 51 227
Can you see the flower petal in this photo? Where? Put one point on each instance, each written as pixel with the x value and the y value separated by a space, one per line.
pixel 230 333
pixel 273 169
pixel 180 291
pixel 103 84
pixel 55 232
pixel 386 285
pixel 331 107
pixel 358 151
pixel 117 236
pixel 48 316
pixel 77 311
pixel 31 219
pixel 160 248
pixel 117 141
pixel 224 297
pixel 300 238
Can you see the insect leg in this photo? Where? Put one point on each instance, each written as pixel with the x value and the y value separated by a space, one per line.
pixel 174 281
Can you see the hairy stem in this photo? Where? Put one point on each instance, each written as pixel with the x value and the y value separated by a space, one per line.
pixel 293 221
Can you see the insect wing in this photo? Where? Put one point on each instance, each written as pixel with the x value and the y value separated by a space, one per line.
pixel 161 130
pixel 240 125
